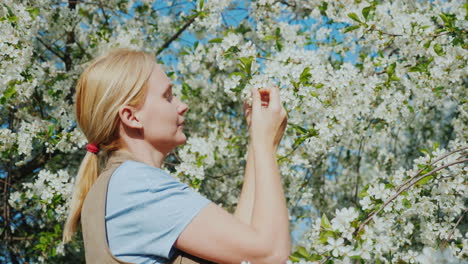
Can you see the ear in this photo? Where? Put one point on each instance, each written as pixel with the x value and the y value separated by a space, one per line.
pixel 129 116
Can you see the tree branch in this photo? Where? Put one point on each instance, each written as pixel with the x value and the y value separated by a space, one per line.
pixel 176 35
pixel 453 230
pixel 369 217
pixel 49 48
pixel 434 162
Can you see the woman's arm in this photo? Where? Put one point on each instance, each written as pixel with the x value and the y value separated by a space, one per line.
pixel 246 201
pixel 218 236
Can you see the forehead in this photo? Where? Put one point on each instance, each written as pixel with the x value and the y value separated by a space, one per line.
pixel 158 80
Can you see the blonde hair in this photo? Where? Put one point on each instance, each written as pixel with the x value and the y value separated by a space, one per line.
pixel 117 78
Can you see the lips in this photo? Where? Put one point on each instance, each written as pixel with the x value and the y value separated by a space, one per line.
pixel 181 123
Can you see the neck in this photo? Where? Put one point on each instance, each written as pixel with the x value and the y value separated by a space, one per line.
pixel 145 153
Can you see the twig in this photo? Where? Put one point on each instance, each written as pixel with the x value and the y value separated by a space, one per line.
pixel 51 49
pixel 104 13
pixel 325 260
pixel 22 238
pixel 177 34
pixel 434 162
pixel 369 217
pixel 358 168
pixel 453 230
pixel 5 182
pixel 388 34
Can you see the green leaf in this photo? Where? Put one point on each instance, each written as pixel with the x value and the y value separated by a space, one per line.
pixel 241 74
pixel 323 8
pixel 12 19
pixel 425 151
pixel 351 28
pixel 415 69
pixel 246 60
pixel 363 194
pixel 406 203
pixel 427 44
pixel 298 128
pixel 324 236
pixel 202 14
pixel 195 183
pixel 201 4
pixel 246 64
pixel 278 32
pixel 365 12
pixel 142 9
pixel 325 223
pixel 294 258
pixel 444 18
pixel 391 69
pixel 301 251
pixel 466 10
pixel 438 49
pixel 7 94
pixel 269 37
pixel 421 66
pixel 279 45
pixel 354 17
pixel 305 76
pixel 425 180
pixel 216 40
pixel 299 141
pixel 33 11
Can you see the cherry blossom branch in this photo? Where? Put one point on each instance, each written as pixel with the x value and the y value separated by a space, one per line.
pixel 177 34
pixel 325 260
pixel 453 230
pixel 22 238
pixel 388 34
pixel 103 13
pixel 5 182
pixel 374 28
pixel 370 216
pixel 49 48
pixel 434 162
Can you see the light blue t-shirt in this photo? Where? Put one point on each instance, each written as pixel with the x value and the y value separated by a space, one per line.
pixel 146 211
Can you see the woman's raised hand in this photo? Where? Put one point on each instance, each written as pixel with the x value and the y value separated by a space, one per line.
pixel 248 113
pixel 268 117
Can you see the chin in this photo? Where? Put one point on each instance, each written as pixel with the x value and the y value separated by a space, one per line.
pixel 182 141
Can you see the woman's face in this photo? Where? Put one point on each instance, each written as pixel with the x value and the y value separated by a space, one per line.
pixel 162 114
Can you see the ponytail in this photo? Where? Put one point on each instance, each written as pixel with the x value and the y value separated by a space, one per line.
pixel 87 175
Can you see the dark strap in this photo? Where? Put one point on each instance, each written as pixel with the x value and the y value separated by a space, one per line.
pixel 94 224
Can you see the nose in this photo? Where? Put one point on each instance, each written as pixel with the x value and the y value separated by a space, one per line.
pixel 182 108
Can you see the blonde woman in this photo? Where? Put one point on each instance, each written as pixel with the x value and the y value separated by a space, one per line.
pixel 131 211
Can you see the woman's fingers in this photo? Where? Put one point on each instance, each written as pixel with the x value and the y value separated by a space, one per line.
pixel 275 101
pixel 247 105
pixel 267 97
pixel 256 100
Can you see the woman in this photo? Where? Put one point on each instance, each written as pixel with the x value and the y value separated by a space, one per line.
pixel 125 108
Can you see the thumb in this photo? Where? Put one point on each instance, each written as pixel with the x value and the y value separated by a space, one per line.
pixel 256 101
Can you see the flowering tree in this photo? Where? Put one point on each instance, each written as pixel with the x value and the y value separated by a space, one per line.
pixel 376 94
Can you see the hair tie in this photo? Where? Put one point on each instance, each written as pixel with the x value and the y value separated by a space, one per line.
pixel 92 147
